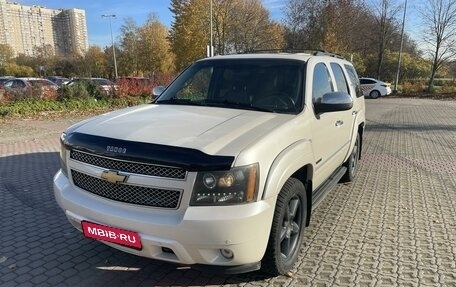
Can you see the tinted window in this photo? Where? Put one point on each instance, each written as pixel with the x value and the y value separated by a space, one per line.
pixel 354 80
pixel 268 85
pixel 197 87
pixel 367 82
pixel 39 83
pixel 18 84
pixel 341 82
pixel 322 83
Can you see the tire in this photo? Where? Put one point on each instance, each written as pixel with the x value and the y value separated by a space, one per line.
pixel 352 163
pixel 287 229
pixel 374 94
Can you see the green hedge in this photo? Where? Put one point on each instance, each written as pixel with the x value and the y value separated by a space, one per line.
pixel 35 107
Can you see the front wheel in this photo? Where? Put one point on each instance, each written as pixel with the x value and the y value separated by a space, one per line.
pixel 287 229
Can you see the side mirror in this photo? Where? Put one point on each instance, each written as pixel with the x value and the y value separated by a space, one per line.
pixel 157 91
pixel 334 102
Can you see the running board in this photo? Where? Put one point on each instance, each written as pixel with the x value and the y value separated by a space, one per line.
pixel 319 194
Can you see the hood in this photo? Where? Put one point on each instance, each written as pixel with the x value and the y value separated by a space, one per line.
pixel 208 129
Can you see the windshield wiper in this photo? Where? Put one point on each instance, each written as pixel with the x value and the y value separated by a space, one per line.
pixel 174 101
pixel 213 103
pixel 234 105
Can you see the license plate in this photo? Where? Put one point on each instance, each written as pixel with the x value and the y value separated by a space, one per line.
pixel 111 234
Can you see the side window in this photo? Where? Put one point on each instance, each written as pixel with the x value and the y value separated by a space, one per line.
pixel 322 83
pixel 197 87
pixel 17 84
pixel 20 84
pixel 354 80
pixel 340 78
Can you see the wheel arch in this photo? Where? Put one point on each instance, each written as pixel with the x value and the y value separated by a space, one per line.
pixel 291 161
pixel 295 161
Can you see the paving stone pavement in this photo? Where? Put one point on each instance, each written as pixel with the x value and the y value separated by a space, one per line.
pixel 395 225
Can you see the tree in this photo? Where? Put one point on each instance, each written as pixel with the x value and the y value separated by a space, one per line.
pixel 386 25
pixel 319 24
pixel 302 22
pixel 154 49
pixel 13 69
pixel 94 62
pixel 6 54
pixel 439 19
pixel 238 26
pixel 129 46
pixel 189 33
pixel 250 28
pixel 108 61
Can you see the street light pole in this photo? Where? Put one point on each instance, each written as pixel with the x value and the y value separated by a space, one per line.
pixel 400 49
pixel 110 16
pixel 211 49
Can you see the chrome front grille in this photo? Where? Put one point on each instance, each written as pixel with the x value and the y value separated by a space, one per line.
pixel 133 194
pixel 128 166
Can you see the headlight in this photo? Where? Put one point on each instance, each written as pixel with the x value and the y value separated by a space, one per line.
pixel 236 186
pixel 63 155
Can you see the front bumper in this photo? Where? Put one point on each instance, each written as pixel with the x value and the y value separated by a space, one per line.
pixel 190 235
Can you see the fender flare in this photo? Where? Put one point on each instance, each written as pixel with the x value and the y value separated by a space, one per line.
pixel 286 163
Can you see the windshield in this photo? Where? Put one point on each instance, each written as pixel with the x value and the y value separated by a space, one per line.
pixel 272 85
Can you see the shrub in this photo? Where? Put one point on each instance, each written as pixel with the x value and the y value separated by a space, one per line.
pixel 448 87
pixel 80 90
pixel 134 87
pixel 413 87
pixel 88 105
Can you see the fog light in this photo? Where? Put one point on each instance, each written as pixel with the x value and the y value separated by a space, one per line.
pixel 228 254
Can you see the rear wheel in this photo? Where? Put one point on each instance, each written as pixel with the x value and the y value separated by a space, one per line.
pixel 287 228
pixel 352 163
pixel 374 94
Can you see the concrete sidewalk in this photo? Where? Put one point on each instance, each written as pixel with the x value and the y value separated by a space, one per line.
pixel 395 225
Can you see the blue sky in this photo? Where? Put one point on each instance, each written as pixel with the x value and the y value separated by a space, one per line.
pixel 98 27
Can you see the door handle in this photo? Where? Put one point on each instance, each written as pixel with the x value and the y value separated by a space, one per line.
pixel 354 113
pixel 339 123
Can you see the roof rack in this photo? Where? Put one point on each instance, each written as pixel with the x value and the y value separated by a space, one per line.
pixel 315 52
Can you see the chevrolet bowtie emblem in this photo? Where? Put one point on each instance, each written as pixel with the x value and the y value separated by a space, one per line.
pixel 114 176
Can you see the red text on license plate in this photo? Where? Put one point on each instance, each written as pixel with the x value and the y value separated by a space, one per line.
pixel 111 234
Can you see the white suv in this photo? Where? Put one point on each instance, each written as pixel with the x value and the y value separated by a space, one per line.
pixel 221 171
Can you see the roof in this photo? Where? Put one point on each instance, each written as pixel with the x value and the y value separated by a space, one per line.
pixel 32 79
pixel 278 55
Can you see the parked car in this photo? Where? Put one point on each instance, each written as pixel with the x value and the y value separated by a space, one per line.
pixel 106 85
pixel 138 81
pixel 19 86
pixel 223 170
pixel 374 88
pixel 4 79
pixel 59 81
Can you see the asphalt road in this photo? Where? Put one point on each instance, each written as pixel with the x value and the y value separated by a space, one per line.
pixel 395 225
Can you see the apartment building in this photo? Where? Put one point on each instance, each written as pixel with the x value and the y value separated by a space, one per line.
pixel 26 27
